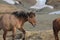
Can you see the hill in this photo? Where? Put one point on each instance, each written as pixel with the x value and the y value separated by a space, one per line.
pixel 26 6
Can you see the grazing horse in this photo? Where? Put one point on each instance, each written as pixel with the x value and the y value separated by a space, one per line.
pixel 16 20
pixel 56 28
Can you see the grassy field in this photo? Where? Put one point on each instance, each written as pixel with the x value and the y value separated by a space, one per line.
pixel 44 22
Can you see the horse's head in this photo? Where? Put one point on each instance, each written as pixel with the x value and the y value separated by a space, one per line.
pixel 26 16
pixel 31 18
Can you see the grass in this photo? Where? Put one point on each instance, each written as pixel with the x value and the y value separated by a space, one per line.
pixel 41 35
pixel 44 22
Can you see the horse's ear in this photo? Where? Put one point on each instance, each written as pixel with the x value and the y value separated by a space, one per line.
pixel 32 13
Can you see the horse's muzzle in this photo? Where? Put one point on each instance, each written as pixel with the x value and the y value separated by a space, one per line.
pixel 34 25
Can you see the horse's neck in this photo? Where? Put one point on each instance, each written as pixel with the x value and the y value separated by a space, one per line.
pixel 22 21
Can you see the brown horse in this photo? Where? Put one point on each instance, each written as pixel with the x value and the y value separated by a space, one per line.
pixel 11 22
pixel 56 28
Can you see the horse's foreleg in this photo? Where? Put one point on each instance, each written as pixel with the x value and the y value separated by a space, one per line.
pixel 14 33
pixel 4 35
pixel 23 33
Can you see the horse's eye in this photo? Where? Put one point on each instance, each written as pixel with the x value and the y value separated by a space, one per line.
pixel 31 16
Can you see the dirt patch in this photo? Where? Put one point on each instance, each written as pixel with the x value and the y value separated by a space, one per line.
pixel 40 35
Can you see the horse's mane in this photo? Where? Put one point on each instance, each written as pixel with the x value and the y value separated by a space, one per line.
pixel 20 14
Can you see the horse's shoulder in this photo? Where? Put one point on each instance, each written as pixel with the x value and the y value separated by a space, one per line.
pixel 56 20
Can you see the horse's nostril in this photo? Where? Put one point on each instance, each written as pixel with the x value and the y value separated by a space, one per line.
pixel 34 25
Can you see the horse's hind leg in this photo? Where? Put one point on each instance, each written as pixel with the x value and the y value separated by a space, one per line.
pixel 4 35
pixel 56 34
pixel 23 33
pixel 14 33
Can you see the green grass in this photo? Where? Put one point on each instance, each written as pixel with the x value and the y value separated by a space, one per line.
pixel 44 22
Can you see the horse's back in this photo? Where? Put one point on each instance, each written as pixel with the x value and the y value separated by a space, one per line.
pixel 56 23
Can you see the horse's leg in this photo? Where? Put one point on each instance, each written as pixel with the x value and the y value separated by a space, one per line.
pixel 14 33
pixel 4 35
pixel 56 35
pixel 23 33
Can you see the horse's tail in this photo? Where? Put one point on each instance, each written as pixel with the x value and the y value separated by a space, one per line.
pixel 55 28
pixel 54 21
pixel 1 17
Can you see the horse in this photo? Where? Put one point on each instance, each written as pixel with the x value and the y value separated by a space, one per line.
pixel 16 20
pixel 56 28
